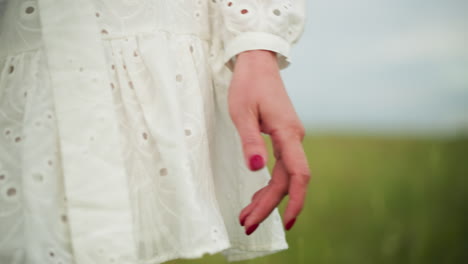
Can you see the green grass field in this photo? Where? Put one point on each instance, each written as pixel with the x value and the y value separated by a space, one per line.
pixel 379 200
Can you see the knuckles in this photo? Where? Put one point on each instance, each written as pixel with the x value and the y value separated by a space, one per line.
pixel 301 176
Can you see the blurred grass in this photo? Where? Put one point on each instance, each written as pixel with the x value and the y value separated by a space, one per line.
pixel 378 200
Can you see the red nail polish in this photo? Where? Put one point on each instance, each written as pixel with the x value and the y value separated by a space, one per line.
pixel 256 162
pixel 251 229
pixel 242 221
pixel 290 223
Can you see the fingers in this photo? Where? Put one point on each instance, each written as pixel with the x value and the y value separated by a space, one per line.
pixel 266 199
pixel 248 209
pixel 288 148
pixel 246 121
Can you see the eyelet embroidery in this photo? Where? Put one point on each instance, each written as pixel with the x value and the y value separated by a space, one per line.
pixel 7 132
pixel 10 192
pixel 28 10
pixel 163 172
pixel 2 176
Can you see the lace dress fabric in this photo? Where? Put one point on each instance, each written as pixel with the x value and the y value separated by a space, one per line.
pixel 116 145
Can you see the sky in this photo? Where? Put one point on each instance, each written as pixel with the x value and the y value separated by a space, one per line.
pixel 398 66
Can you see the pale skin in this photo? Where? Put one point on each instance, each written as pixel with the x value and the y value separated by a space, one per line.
pixel 259 103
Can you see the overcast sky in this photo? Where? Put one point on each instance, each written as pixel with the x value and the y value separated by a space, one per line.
pixel 382 65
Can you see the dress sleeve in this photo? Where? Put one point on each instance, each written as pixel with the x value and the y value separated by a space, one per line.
pixel 274 25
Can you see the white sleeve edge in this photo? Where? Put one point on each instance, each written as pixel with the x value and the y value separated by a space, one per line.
pixel 257 40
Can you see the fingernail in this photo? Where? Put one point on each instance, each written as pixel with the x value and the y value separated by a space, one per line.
pixel 256 162
pixel 251 229
pixel 242 221
pixel 290 223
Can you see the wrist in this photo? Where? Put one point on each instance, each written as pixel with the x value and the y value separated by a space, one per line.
pixel 258 59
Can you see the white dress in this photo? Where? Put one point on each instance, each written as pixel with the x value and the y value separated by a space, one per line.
pixel 116 145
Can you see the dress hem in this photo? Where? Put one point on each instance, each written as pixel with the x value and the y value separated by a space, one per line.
pixel 238 253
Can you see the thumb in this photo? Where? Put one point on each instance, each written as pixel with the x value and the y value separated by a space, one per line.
pixel 253 145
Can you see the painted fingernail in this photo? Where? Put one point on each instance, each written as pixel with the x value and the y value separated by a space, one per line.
pixel 251 229
pixel 290 223
pixel 256 162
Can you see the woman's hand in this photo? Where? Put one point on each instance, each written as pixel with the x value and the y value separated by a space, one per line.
pixel 259 103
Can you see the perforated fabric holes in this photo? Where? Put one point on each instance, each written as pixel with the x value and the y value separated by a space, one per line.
pixel 244 11
pixel 11 191
pixel 29 9
pixel 11 69
pixel 277 12
pixel 163 172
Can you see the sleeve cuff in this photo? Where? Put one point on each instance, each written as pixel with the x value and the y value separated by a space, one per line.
pixel 257 40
